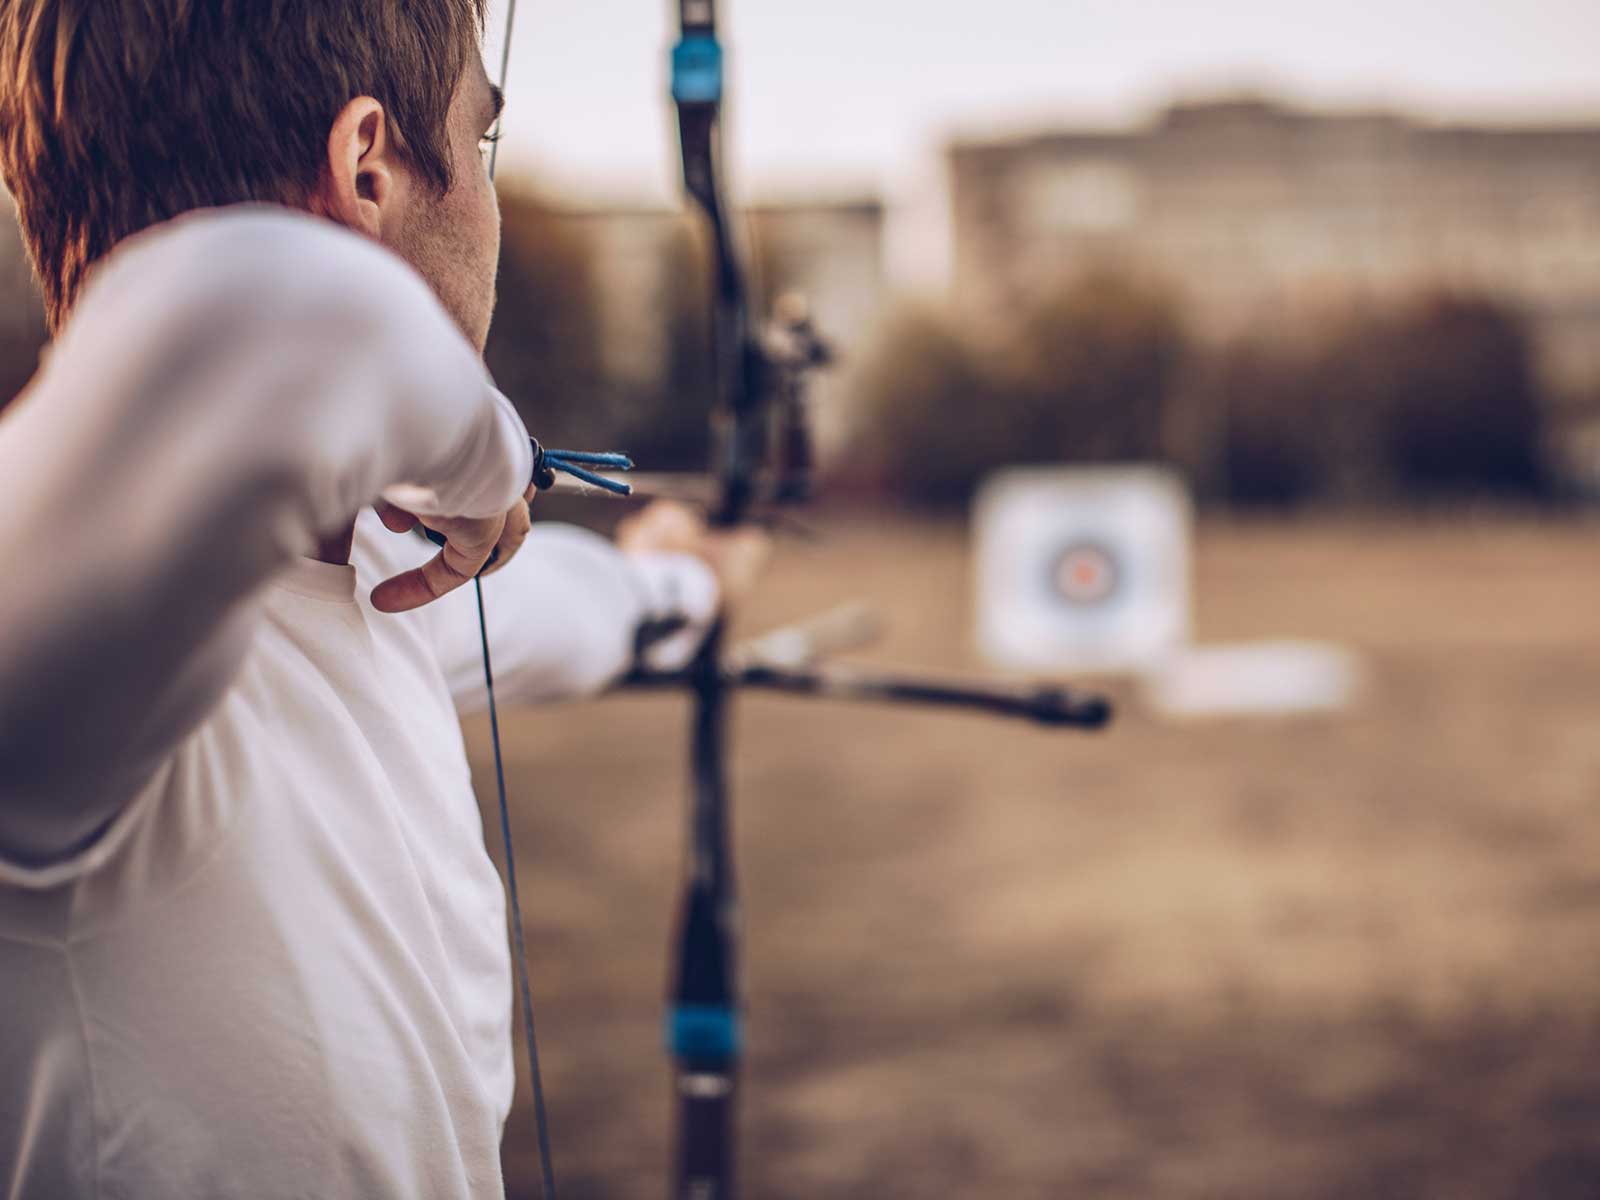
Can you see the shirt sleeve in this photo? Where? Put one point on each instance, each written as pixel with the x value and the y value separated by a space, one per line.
pixel 233 387
pixel 564 617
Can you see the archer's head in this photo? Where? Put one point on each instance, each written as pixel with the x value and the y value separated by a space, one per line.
pixel 116 115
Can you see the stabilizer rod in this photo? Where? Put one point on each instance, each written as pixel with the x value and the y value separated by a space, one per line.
pixel 1044 705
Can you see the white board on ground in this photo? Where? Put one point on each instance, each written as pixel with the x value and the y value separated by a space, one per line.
pixel 1256 679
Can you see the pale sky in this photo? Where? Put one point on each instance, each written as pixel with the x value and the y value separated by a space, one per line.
pixel 857 95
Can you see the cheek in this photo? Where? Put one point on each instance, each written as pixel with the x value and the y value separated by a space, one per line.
pixel 478 208
pixel 476 234
pixel 490 217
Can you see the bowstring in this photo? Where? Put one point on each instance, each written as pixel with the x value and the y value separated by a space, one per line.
pixel 541 1119
pixel 540 1115
pixel 505 73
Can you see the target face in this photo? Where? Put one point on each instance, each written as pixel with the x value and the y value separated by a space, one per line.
pixel 1086 573
pixel 1082 569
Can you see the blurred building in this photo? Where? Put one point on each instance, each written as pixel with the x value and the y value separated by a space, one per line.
pixel 832 253
pixel 1259 214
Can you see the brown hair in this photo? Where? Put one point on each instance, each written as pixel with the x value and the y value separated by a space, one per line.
pixel 116 115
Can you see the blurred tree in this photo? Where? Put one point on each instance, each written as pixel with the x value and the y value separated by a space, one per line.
pixel 1269 445
pixel 1093 368
pixel 22 332
pixel 932 417
pixel 20 347
pixel 664 423
pixel 1461 408
pixel 1434 400
pixel 1088 374
pixel 544 348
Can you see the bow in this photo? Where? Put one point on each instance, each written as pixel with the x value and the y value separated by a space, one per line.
pixel 762 449
pixel 703 1025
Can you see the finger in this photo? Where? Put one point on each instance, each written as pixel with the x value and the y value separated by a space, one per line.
pixel 395 518
pixel 518 523
pixel 463 556
pixel 420 586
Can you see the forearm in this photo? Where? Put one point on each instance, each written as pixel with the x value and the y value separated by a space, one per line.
pixel 565 614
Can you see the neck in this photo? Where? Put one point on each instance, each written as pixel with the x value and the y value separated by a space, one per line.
pixel 336 549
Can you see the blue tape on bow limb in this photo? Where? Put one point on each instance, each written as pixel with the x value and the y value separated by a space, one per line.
pixel 703 1031
pixel 697 70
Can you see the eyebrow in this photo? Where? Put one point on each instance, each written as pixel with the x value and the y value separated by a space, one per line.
pixel 497 101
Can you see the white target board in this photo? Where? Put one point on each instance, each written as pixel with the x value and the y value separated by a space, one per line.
pixel 1083 569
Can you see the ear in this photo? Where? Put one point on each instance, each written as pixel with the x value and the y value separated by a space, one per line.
pixel 361 181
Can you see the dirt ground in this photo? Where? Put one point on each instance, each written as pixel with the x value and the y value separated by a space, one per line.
pixel 1352 956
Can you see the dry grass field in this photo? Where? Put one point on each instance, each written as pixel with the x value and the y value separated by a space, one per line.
pixel 1352 956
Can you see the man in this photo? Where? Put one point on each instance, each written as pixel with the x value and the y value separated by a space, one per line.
pixel 251 943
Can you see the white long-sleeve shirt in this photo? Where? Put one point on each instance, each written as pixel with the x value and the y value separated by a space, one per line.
pixel 251 943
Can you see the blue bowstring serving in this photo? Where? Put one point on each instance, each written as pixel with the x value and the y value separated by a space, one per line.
pixel 577 463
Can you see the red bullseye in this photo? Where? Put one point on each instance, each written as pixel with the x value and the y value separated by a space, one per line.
pixel 1086 574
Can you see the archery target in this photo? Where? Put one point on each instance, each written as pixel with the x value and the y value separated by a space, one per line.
pixel 1083 569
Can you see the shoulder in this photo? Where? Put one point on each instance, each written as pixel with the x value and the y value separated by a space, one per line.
pixel 269 239
pixel 214 265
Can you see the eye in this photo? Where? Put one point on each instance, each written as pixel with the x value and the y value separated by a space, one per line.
pixel 486 144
